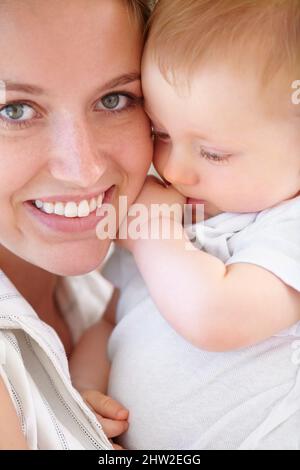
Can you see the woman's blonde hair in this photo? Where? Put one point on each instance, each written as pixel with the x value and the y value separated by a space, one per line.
pixel 141 10
pixel 183 33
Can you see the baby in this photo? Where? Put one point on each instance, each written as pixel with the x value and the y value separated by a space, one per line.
pixel 227 136
pixel 204 349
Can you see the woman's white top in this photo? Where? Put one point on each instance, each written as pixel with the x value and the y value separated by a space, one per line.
pixel 181 397
pixel 34 366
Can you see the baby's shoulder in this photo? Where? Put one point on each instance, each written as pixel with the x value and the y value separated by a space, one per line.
pixel 286 211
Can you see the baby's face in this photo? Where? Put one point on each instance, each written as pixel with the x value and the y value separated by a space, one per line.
pixel 223 140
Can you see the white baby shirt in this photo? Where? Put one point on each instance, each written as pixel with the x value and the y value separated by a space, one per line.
pixel 181 397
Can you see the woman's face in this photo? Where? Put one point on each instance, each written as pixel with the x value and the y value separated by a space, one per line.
pixel 72 127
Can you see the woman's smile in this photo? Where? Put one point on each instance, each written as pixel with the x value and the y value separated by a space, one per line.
pixel 73 132
pixel 66 214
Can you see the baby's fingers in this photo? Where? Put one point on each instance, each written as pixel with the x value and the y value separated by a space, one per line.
pixel 105 406
pixel 117 447
pixel 112 428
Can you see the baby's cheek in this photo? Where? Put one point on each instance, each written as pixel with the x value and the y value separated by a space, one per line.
pixel 160 156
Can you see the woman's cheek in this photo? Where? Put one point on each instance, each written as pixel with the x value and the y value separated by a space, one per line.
pixel 12 175
pixel 20 161
pixel 137 154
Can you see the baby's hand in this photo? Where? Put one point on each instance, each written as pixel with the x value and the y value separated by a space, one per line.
pixel 153 192
pixel 112 416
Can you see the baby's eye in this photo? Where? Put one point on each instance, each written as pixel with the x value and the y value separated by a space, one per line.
pixel 114 102
pixel 214 157
pixel 17 112
pixel 159 135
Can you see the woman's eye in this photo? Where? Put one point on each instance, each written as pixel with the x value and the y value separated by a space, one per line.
pixel 17 112
pixel 214 157
pixel 114 102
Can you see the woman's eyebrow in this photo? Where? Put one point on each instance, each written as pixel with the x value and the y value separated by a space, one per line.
pixel 124 79
pixel 121 80
pixel 9 85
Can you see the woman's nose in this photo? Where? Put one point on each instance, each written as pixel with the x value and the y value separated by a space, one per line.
pixel 75 157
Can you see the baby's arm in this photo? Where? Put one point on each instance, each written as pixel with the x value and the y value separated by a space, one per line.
pixel 11 436
pixel 213 306
pixel 89 365
pixel 89 369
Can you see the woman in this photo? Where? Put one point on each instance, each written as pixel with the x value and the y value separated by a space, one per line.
pixel 72 136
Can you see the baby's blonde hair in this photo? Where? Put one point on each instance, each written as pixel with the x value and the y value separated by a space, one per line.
pixel 184 33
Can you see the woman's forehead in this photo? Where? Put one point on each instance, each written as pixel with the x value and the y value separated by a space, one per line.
pixel 79 21
pixel 63 40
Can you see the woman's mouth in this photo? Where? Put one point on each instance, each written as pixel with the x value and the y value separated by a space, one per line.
pixel 71 209
pixel 66 215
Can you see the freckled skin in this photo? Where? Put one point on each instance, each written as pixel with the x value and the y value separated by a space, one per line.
pixel 69 146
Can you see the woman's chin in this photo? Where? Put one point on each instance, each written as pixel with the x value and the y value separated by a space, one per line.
pixel 75 261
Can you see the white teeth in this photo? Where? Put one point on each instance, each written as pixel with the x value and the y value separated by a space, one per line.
pixel 93 204
pixel 48 207
pixel 83 209
pixel 38 204
pixel 100 200
pixel 59 208
pixel 71 209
